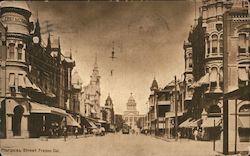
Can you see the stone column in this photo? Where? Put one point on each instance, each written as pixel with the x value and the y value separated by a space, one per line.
pixel 24 126
pixel 233 134
pixel 9 132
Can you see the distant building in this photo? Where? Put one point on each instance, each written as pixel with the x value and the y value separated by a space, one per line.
pixel 131 115
pixel 109 108
pixel 91 95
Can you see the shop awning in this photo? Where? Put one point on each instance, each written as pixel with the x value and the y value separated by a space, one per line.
pixel 195 84
pixel 204 80
pixel 185 123
pixel 39 108
pixel 30 85
pixel 209 122
pixel 92 110
pixel 92 124
pixel 87 122
pixel 193 123
pixel 244 121
pixel 101 121
pixel 58 111
pixel 243 75
pixel 71 121
pixel 213 75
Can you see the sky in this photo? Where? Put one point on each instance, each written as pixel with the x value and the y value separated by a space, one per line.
pixel 148 42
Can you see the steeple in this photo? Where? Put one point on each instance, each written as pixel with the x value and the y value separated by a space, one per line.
pixel 109 102
pixel 59 51
pixel 154 85
pixel 48 48
pixel 37 32
pixel 95 78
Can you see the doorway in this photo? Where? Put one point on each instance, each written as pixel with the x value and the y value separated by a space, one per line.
pixel 16 120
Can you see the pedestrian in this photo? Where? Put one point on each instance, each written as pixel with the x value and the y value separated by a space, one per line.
pixel 195 134
pixel 76 132
pixel 179 135
pixel 65 132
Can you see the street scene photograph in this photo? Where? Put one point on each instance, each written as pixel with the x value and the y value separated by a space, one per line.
pixel 125 78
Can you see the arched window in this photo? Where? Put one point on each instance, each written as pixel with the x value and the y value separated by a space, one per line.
pixel 242 43
pixel 213 78
pixel 11 49
pixel 214 44
pixel 214 111
pixel 221 44
pixel 208 46
pixel 19 51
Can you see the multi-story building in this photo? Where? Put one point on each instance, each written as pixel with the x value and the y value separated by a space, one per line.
pixel 110 116
pixel 236 30
pixel 34 79
pixel 161 116
pixel 76 96
pixel 131 115
pixel 91 95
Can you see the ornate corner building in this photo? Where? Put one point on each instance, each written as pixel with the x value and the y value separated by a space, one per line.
pixel 35 79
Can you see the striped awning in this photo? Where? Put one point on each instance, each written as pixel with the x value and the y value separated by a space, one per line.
pixel 244 121
pixel 185 123
pixel 211 122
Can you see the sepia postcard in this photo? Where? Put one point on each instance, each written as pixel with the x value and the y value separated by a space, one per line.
pixel 125 78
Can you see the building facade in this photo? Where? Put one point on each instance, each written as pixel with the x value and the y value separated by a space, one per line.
pixel 91 95
pixel 236 73
pixel 131 115
pixel 35 80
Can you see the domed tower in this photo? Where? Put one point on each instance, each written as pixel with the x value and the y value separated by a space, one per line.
pixel 131 104
pixel 154 85
pixel 15 16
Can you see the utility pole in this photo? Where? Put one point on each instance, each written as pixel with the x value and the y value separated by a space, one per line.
pixel 176 108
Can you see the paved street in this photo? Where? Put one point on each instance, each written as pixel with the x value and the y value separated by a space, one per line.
pixel 109 145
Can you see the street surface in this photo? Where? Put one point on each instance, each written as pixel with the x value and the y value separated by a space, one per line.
pixel 109 145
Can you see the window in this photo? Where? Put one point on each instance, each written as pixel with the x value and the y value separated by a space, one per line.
pixel 190 63
pixel 19 51
pixel 21 82
pixel 11 50
pixel 208 47
pixel 12 79
pixel 214 44
pixel 242 43
pixel 221 44
pixel 213 78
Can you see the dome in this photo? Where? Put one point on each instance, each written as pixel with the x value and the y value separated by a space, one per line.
pixel 154 85
pixel 15 4
pixel 131 98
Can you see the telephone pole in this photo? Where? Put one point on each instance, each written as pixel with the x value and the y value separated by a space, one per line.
pixel 176 108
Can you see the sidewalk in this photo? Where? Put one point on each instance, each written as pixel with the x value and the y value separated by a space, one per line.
pixel 243 148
